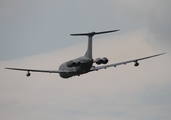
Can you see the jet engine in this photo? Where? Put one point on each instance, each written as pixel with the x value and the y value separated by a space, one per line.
pixel 105 60
pixel 99 61
pixel 72 64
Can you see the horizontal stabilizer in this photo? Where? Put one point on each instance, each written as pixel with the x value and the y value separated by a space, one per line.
pixel 93 33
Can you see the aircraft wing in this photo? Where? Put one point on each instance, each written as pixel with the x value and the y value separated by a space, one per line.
pixel 123 63
pixel 32 70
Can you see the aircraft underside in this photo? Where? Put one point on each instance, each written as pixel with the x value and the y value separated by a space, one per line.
pixel 76 69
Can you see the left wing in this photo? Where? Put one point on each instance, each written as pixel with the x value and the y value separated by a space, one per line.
pixel 121 63
pixel 46 71
pixel 32 70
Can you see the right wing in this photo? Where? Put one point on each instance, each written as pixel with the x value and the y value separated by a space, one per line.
pixel 123 63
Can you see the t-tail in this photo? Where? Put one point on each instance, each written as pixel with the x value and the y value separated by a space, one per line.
pixel 90 36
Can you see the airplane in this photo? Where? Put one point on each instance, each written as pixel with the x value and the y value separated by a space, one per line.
pixel 84 64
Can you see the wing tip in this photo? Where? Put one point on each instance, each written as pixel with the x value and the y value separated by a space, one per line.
pixel 162 53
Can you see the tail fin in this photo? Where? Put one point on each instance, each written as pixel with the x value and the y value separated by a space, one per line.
pixel 90 35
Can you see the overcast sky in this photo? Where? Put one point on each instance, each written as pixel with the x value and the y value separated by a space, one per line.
pixel 35 34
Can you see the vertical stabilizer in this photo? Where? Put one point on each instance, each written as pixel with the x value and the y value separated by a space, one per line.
pixel 89 48
pixel 90 36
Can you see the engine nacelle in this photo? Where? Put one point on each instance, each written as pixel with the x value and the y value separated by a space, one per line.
pixel 72 64
pixel 136 64
pixel 105 60
pixel 99 61
pixel 28 74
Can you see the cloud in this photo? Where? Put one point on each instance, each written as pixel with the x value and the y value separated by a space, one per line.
pixel 124 92
pixel 33 27
pixel 152 15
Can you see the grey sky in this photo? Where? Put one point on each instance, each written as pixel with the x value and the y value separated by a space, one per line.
pixel 33 27
pixel 34 33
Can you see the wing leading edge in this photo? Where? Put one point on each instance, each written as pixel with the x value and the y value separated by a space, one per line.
pixel 123 63
pixel 32 70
